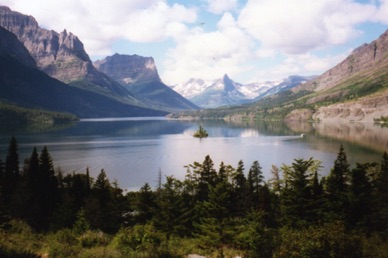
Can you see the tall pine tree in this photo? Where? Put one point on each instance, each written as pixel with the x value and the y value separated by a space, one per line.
pixel 337 186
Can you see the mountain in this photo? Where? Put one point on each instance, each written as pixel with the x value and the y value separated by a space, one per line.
pixel 356 89
pixel 23 84
pixel 226 92
pixel 139 75
pixel 286 84
pixel 62 56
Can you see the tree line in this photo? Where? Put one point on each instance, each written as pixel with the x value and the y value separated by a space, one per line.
pixel 295 213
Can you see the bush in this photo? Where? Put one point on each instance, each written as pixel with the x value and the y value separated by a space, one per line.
pixel 91 239
pixel 143 238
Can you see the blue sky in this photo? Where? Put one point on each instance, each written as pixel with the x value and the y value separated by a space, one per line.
pixel 250 40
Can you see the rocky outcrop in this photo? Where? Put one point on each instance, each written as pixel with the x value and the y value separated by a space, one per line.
pixel 60 55
pixel 129 69
pixel 22 84
pixel 365 109
pixel 299 115
pixel 139 75
pixel 366 60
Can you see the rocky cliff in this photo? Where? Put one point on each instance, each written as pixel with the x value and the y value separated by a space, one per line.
pixel 139 75
pixel 129 69
pixel 60 55
pixel 368 60
pixel 22 84
pixel 354 90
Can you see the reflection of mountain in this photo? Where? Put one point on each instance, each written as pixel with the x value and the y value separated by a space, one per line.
pixel 367 135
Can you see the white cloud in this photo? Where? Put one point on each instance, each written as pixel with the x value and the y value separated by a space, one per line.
pixel 221 6
pixel 382 14
pixel 209 55
pixel 99 23
pixel 304 64
pixel 299 26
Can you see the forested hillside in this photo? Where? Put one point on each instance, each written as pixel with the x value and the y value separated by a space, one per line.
pixel 222 211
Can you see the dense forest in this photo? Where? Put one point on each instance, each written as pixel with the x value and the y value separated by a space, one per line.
pixel 222 211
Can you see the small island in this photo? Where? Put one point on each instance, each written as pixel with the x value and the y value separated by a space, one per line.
pixel 201 133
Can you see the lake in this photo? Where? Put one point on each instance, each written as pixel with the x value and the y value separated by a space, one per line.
pixel 134 150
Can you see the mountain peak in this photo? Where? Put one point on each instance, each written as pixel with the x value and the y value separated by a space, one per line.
pixel 129 69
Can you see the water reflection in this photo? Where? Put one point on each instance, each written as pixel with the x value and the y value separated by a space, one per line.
pixel 134 150
pixel 368 135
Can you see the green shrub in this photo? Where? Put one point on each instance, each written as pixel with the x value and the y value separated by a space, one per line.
pixel 91 239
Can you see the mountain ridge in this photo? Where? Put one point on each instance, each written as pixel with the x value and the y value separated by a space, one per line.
pixel 139 75
pixel 224 91
pixel 22 84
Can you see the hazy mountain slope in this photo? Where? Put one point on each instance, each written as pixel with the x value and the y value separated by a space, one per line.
pixel 139 75
pixel 24 85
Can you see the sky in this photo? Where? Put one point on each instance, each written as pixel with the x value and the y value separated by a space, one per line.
pixel 250 40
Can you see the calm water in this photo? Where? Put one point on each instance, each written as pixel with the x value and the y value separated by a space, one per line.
pixel 133 151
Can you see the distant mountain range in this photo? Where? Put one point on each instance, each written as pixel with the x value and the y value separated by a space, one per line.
pixel 356 89
pixel 226 92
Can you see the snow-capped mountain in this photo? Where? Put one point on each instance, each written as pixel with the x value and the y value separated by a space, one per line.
pixel 224 91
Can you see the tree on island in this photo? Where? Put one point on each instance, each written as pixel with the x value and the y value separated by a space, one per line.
pixel 201 133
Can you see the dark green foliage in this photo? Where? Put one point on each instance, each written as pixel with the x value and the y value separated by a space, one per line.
pixel 337 184
pixel 297 196
pixel 11 173
pixel 146 204
pixel 220 214
pixel 171 208
pixel 214 228
pixel 360 192
pixel 254 186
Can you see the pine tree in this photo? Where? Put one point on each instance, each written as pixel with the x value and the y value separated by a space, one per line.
pixel 296 200
pixel 146 204
pixel 337 186
pixel 171 207
pixel 12 173
pixel 214 228
pixel 381 198
pixel 360 192
pixel 240 189
pixel 255 180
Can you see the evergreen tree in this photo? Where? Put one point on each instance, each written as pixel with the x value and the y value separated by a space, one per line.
pixel 104 205
pixel 255 180
pixel 337 186
pixel 204 175
pixel 146 204
pixel 170 204
pixel 12 173
pixel 296 200
pixel 214 228
pixel 381 198
pixel 360 196
pixel 240 189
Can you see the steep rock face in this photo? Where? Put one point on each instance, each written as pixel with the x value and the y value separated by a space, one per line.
pixel 23 84
pixel 129 69
pixel 60 55
pixel 139 75
pixel 363 61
